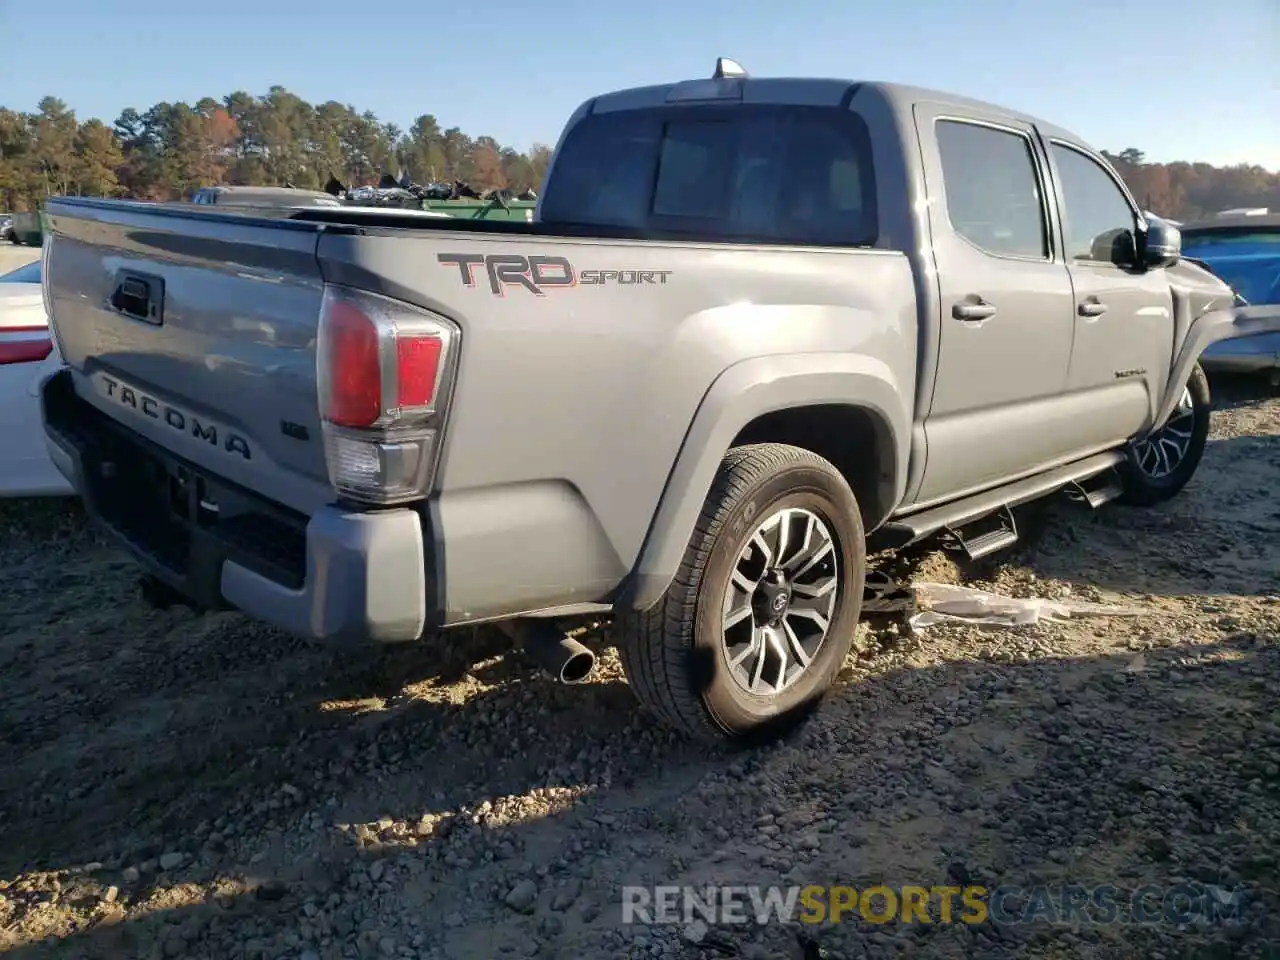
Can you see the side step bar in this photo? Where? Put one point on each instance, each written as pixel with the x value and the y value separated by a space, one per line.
pixel 1094 495
pixel 976 544
pixel 950 517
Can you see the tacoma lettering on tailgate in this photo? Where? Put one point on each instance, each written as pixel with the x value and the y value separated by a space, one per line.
pixel 176 419
pixel 537 273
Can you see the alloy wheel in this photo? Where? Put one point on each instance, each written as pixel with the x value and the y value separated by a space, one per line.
pixel 780 601
pixel 1160 454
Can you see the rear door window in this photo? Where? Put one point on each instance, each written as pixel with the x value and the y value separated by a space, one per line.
pixel 750 173
pixel 993 192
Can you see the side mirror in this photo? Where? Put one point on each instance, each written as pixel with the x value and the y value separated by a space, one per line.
pixel 1115 246
pixel 1161 244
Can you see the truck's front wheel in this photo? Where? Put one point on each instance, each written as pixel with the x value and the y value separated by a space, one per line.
pixel 762 612
pixel 1159 466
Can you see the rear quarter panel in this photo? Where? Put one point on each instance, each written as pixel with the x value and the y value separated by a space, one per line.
pixel 572 403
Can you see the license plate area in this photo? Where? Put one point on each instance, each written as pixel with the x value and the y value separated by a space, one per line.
pixel 190 496
pixel 177 518
pixel 218 521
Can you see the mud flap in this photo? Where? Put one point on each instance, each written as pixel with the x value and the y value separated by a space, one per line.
pixel 1206 330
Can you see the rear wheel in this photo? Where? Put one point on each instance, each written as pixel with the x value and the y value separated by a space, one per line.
pixel 1159 466
pixel 762 612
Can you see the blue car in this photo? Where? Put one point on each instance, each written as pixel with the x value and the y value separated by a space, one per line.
pixel 1243 248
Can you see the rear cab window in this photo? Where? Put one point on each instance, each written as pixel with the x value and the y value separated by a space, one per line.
pixel 748 172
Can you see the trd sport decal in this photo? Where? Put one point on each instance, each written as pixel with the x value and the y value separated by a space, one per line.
pixel 539 274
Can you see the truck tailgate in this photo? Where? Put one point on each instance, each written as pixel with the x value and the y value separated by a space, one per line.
pixel 197 331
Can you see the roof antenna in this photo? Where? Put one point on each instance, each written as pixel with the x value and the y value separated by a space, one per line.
pixel 726 69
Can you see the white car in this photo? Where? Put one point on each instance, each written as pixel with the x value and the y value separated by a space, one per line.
pixel 27 356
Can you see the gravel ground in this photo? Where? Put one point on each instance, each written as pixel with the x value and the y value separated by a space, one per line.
pixel 177 786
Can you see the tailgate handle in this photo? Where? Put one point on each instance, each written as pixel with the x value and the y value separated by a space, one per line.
pixel 139 296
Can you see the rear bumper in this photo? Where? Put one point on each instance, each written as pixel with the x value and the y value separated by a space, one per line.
pixel 338 574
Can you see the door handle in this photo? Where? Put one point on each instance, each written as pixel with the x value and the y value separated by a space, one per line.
pixel 1092 308
pixel 971 310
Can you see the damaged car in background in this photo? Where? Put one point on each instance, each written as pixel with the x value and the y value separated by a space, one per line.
pixel 1243 248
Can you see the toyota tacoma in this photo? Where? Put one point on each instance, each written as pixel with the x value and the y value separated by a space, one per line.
pixel 757 327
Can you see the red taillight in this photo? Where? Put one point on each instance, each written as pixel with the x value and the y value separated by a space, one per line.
pixel 355 374
pixel 24 345
pixel 383 368
pixel 417 366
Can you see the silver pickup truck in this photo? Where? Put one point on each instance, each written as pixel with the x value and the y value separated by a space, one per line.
pixel 757 327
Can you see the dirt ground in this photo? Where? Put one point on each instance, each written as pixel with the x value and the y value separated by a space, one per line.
pixel 175 786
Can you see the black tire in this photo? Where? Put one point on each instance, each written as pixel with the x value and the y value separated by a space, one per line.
pixel 673 653
pixel 1143 490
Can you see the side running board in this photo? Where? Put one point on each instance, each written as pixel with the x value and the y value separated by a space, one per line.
pixel 1001 532
pixel 995 506
pixel 1101 491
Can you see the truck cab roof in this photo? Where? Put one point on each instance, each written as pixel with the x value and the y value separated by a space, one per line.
pixel 802 91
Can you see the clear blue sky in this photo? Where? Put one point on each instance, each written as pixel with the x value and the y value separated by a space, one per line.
pixel 1179 79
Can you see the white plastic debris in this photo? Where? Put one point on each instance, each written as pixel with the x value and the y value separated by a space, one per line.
pixel 945 603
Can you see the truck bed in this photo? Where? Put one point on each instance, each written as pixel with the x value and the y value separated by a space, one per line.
pixel 551 373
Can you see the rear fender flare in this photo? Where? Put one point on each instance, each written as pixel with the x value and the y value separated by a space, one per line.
pixel 739 395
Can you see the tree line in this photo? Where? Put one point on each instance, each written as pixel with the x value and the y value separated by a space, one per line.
pixel 172 149
pixel 1188 191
